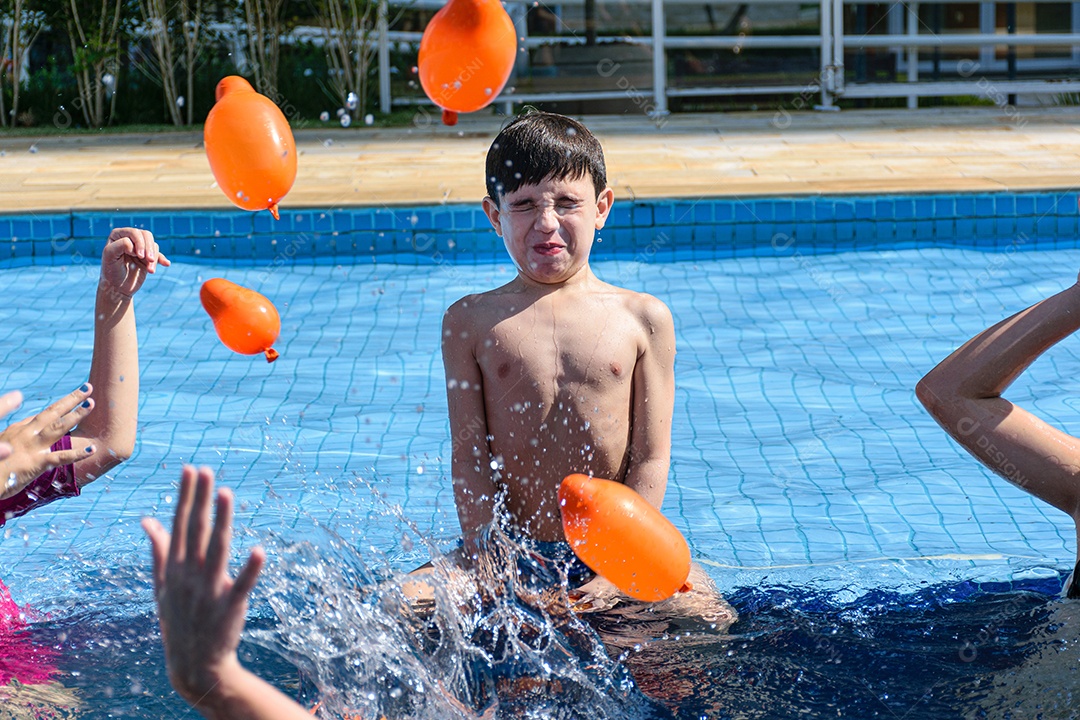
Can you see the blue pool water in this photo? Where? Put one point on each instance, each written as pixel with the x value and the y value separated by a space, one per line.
pixel 878 569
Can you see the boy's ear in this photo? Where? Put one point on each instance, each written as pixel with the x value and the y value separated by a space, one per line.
pixel 491 209
pixel 603 206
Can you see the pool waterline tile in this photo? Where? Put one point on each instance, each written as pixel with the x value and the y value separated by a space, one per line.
pixel 720 226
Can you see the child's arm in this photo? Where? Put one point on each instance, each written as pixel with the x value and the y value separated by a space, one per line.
pixel 470 461
pixel 202 610
pixel 654 404
pixel 129 255
pixel 963 393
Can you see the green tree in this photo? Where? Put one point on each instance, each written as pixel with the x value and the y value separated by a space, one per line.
pixel 19 27
pixel 95 30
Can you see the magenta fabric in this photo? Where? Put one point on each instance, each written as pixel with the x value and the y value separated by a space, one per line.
pixel 20 657
pixel 52 485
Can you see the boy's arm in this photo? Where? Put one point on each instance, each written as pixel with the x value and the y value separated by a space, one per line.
pixel 963 393
pixel 654 404
pixel 129 255
pixel 470 461
pixel 202 610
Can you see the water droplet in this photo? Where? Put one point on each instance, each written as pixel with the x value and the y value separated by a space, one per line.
pixel 351 101
pixel 324 115
pixel 346 120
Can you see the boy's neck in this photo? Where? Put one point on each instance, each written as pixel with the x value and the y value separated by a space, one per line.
pixel 583 276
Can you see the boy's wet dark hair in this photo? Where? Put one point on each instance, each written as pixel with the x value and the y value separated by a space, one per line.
pixel 536 146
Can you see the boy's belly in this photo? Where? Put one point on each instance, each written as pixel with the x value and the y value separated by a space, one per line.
pixel 530 476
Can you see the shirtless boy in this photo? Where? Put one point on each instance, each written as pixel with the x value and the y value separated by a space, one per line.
pixel 556 372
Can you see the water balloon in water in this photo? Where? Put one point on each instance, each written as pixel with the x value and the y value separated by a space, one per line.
pixel 250 147
pixel 618 534
pixel 467 47
pixel 245 321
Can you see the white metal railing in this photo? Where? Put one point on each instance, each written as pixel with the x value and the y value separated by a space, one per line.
pixel 905 39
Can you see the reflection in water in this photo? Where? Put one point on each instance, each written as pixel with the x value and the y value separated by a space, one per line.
pixel 1046 682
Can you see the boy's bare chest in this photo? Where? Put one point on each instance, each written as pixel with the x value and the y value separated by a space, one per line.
pixel 589 350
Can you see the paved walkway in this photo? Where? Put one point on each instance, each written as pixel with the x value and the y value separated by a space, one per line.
pixel 969 149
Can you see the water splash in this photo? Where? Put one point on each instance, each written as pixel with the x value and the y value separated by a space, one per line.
pixel 498 641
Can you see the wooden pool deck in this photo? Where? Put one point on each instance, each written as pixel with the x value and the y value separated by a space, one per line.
pixel 706 155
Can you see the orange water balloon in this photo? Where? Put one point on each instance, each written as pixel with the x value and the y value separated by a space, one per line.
pixel 466 55
pixel 245 321
pixel 250 147
pixel 618 534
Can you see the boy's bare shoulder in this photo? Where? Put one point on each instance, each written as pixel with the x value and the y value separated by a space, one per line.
pixel 476 308
pixel 649 309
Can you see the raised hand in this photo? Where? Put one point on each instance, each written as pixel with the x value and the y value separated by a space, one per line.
pixel 128 256
pixel 30 441
pixel 200 607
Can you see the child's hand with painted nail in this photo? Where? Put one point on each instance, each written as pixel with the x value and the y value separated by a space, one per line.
pixel 129 255
pixel 32 440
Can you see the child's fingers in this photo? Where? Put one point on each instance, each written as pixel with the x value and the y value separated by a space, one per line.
pixel 9 402
pixel 217 555
pixel 198 534
pixel 5 451
pixel 133 240
pixel 61 458
pixel 248 576
pixel 63 406
pixel 183 511
pixel 163 261
pixel 118 247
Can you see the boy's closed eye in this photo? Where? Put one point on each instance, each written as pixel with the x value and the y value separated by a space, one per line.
pixel 562 206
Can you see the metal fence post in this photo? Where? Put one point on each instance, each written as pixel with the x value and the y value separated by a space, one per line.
pixel 838 46
pixel 384 59
pixel 659 59
pixel 913 53
pixel 827 80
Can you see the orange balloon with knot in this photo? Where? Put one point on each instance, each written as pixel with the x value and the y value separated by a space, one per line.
pixel 466 55
pixel 622 537
pixel 250 147
pixel 245 321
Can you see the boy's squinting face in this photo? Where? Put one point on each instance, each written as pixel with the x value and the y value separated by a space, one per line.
pixel 549 228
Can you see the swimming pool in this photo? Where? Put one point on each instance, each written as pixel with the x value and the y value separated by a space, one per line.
pixel 877 567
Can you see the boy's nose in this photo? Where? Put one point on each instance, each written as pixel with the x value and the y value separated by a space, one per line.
pixel 547 218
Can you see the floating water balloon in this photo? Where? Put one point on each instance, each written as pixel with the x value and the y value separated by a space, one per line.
pixel 619 535
pixel 245 321
pixel 250 147
pixel 467 47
